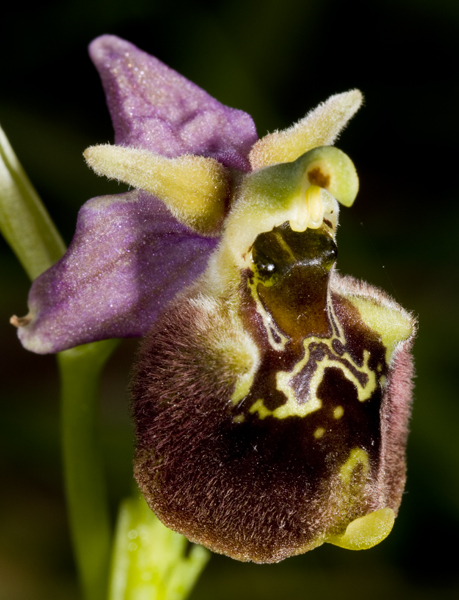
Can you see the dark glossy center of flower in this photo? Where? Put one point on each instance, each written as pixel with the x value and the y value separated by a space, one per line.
pixel 292 271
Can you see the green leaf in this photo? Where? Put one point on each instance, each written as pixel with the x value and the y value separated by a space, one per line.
pixel 24 221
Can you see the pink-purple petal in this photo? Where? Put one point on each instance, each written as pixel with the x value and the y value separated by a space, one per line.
pixel 128 259
pixel 155 108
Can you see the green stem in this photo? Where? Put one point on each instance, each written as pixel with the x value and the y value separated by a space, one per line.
pixel 84 478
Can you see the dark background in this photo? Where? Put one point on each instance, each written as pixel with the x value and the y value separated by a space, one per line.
pixel 275 60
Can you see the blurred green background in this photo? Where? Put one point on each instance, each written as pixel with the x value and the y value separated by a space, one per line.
pixel 275 59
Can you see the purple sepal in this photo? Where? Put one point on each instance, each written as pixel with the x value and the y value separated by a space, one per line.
pixel 155 108
pixel 129 257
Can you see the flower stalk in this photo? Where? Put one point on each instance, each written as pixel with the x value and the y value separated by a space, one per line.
pixel 80 370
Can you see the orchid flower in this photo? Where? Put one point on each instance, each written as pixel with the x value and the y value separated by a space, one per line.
pixel 271 395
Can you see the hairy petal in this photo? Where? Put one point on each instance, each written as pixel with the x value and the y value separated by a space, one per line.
pixel 155 108
pixel 320 127
pixel 128 259
pixel 194 188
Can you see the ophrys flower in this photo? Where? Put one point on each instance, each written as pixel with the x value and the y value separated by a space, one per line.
pixel 271 395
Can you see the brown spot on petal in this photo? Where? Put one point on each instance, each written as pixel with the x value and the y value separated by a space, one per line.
pixel 317 177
